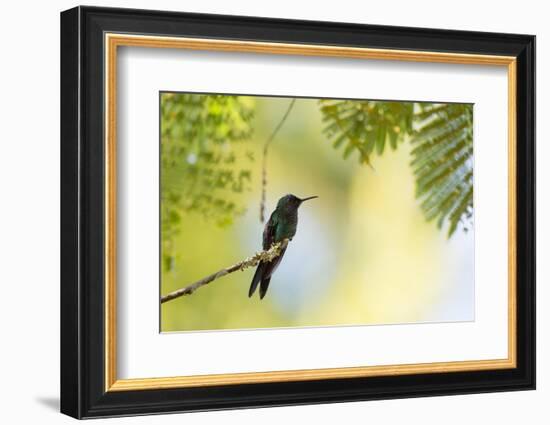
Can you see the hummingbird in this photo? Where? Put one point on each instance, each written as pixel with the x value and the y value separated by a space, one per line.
pixel 281 225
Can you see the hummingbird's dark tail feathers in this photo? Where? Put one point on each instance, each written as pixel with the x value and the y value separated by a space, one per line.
pixel 256 279
pixel 260 279
pixel 263 275
pixel 263 287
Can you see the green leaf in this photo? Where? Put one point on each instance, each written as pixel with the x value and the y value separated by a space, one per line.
pixel 381 138
pixel 368 125
pixel 199 175
pixel 349 149
pixel 442 162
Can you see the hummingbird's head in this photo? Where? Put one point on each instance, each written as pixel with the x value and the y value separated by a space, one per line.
pixel 292 201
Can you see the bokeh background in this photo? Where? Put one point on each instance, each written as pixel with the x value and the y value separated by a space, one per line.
pixel 371 250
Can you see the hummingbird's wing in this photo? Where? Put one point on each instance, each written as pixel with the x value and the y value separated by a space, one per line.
pixel 269 268
pixel 268 271
pixel 269 231
pixel 268 239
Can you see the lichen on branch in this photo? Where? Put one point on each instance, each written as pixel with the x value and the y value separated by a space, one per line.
pixel 267 255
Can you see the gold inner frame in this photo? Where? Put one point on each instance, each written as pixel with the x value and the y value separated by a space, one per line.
pixel 113 41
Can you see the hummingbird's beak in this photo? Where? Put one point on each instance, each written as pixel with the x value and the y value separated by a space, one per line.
pixel 308 198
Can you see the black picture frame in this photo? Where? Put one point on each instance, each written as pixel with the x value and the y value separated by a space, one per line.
pixel 83 392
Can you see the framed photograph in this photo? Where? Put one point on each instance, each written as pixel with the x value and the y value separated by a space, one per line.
pixel 261 212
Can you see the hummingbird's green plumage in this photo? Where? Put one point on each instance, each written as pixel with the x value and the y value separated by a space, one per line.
pixel 281 225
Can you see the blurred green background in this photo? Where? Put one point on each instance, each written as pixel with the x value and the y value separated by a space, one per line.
pixel 386 242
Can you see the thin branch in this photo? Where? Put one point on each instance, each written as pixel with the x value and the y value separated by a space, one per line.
pixel 266 255
pixel 264 161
